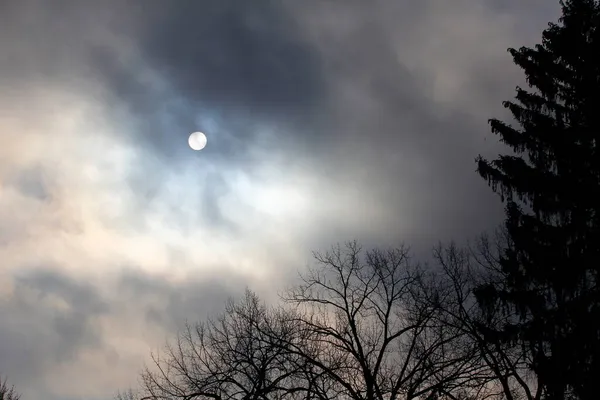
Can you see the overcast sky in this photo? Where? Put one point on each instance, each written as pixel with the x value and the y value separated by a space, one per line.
pixel 326 121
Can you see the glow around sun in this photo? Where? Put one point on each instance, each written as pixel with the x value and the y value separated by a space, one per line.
pixel 197 140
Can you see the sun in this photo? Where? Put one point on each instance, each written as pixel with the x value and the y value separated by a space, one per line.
pixel 197 141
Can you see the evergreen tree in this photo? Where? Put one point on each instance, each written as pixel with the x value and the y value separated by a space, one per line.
pixel 551 185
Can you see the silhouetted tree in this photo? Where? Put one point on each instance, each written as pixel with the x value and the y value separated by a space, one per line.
pixel 236 356
pixel 371 332
pixel 128 395
pixel 551 184
pixel 502 371
pixel 361 326
pixel 7 392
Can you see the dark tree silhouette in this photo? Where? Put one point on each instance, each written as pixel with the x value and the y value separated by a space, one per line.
pixel 551 184
pixel 7 392
pixel 360 326
pixel 370 317
pixel 502 371
pixel 238 355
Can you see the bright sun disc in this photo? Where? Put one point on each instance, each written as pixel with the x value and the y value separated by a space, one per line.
pixel 197 140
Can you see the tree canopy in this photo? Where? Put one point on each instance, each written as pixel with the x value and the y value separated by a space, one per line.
pixel 551 184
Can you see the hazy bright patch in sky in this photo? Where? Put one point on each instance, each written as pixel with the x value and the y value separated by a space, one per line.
pixel 324 122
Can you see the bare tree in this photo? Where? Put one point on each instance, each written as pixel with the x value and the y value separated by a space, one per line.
pixel 7 392
pixel 503 367
pixel 368 329
pixel 359 326
pixel 239 355
pixel 128 395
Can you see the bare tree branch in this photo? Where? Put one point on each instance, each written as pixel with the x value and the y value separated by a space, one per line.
pixel 377 338
pixel 502 371
pixel 238 355
pixel 7 392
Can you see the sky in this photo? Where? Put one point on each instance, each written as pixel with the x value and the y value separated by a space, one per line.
pixel 327 121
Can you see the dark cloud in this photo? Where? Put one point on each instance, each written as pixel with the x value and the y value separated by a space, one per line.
pixel 66 306
pixel 51 319
pixel 169 305
pixel 244 56
pixel 245 65
pixel 47 321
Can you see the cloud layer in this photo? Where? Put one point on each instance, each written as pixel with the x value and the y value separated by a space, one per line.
pixel 326 121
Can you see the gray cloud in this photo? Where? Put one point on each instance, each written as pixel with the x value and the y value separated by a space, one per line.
pixel 51 319
pixel 46 322
pixel 169 306
pixel 245 56
pixel 327 121
pixel 243 66
pixel 31 183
